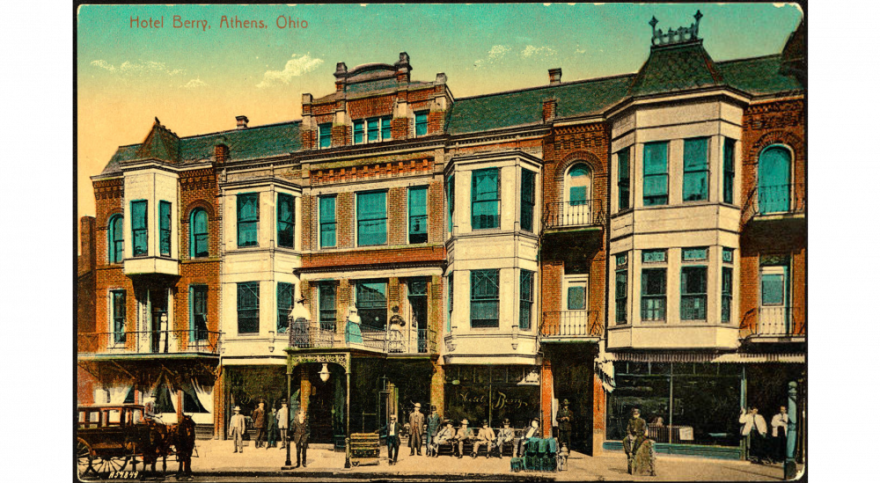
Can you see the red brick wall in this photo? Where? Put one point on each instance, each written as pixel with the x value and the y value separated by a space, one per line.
pixel 546 398
pixel 340 135
pixel 378 256
pixel 400 128
pixel 378 170
pixel 765 124
pixel 371 106
pixel 85 285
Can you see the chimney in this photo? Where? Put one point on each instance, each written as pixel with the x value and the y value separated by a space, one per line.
pixel 548 111
pixel 555 76
pixel 403 68
pixel 241 122
pixel 221 152
pixel 340 74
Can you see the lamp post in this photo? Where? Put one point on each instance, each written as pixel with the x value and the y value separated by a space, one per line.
pixel 289 374
pixel 790 465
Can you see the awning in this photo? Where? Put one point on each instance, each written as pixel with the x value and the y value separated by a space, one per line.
pixel 734 358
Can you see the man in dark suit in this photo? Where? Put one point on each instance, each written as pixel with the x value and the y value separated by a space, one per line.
pixel 393 429
pixel 299 431
pixel 259 417
pixel 564 418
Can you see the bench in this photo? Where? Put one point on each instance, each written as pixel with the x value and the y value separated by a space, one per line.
pixel 507 449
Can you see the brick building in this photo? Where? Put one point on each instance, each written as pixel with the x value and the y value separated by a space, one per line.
pixel 634 240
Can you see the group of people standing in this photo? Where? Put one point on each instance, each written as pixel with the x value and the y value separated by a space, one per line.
pixel 754 427
pixel 268 426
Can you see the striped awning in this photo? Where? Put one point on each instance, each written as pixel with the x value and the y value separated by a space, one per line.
pixel 734 358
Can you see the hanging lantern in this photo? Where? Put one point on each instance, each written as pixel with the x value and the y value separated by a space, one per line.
pixel 325 374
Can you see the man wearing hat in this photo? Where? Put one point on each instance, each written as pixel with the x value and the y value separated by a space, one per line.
pixel 635 434
pixel 433 424
pixel 392 438
pixel 283 422
pixel 259 417
pixel 300 430
pixel 564 418
pixel 485 436
pixel 416 423
pixel 446 433
pixel 463 435
pixel 532 432
pixel 505 436
pixel 237 429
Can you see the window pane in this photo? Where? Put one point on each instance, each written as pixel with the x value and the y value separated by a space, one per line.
pixel 325 133
pixel 328 221
pixel 248 307
pixel 165 228
pixel 653 256
pixel 118 305
pixel 654 282
pixel 527 206
pixel 421 123
pixel 526 278
pixel 371 217
pixel 577 298
pixel 774 191
pixel 372 303
pixel 386 128
pixel 577 195
pixel 772 289
pixel 485 198
pixel 418 215
pixel 373 129
pixel 620 295
pixel 729 168
pixel 484 298
pixel 655 158
pixel 285 220
pixel 726 293
pixel 689 254
pixel 655 186
pixel 199 303
pixel 450 200
pixel 139 227
pixel 359 132
pixel 285 305
pixel 623 178
pixel 327 305
pixel 695 186
pixel 695 154
pixel 248 215
pixel 693 290
pixel 116 240
pixel 727 255
pixel 450 301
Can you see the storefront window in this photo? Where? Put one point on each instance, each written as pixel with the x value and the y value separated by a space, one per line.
pixel 698 403
pixel 492 393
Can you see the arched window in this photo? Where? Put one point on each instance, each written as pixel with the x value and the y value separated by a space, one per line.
pixel 578 191
pixel 115 239
pixel 774 180
pixel 198 225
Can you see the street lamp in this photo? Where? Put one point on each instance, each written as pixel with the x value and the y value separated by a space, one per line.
pixel 325 374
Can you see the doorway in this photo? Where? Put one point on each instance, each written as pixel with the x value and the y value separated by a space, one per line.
pixel 417 296
pixel 158 329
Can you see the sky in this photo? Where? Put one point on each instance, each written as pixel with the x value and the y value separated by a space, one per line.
pixel 197 79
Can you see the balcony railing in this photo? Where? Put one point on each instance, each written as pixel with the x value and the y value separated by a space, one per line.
pixel 149 342
pixel 782 321
pixel 570 324
pixel 574 214
pixel 306 335
pixel 776 200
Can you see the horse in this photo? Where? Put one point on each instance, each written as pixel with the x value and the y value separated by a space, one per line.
pixel 161 438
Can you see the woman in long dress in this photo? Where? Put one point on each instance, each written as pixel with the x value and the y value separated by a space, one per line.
pixel 353 327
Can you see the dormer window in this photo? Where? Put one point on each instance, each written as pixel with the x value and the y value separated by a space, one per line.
pixel 324 135
pixel 421 123
pixel 377 129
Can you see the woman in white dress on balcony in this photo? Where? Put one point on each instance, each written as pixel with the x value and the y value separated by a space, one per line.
pixel 353 327
pixel 395 332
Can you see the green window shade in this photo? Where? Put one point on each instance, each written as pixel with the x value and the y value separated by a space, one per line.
pixel 285 305
pixel 450 200
pixel 371 218
pixel 248 219
pixel 693 293
pixel 418 215
pixel 327 305
pixel 772 289
pixel 623 179
pixel 654 294
pixel 774 178
pixel 620 296
pixel 117 299
pixel 328 220
pixel 386 128
pixel 198 312
pixel 526 298
pixel 199 234
pixel 373 129
pixel 117 241
pixel 729 168
pixel 696 169
pixel 285 220
pixel 165 228
pixel 577 195
pixel 691 254
pixel 727 255
pixel 484 298
pixel 577 298
pixel 649 256
pixel 656 176
pixel 359 132
pixel 485 199
pixel 421 123
pixel 450 301
pixel 248 307
pixel 726 293
pixel 139 227
pixel 527 207
pixel 325 135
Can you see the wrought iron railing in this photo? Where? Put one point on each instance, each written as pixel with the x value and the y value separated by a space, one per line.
pixel 574 214
pixel 306 335
pixel 781 321
pixel 571 323
pixel 150 342
pixel 775 200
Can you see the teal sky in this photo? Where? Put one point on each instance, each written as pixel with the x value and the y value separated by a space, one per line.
pixel 197 81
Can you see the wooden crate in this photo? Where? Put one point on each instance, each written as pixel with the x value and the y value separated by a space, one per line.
pixel 364 449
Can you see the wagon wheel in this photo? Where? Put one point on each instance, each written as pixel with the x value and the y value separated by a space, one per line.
pixel 109 464
pixel 85 462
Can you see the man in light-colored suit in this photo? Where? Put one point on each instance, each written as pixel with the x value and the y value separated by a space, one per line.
pixel 236 429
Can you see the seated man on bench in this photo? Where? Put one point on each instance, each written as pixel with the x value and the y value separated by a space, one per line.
pixel 532 432
pixel 443 436
pixel 464 435
pixel 486 436
pixel 505 436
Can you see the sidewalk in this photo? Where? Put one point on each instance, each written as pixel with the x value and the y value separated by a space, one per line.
pixel 217 458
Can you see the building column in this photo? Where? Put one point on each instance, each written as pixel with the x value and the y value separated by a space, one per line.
pixel 598 414
pixel 219 406
pixel 179 405
pixel 305 387
pixel 546 397
pixel 438 386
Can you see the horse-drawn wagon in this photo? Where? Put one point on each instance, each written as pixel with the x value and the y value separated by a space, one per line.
pixel 112 436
